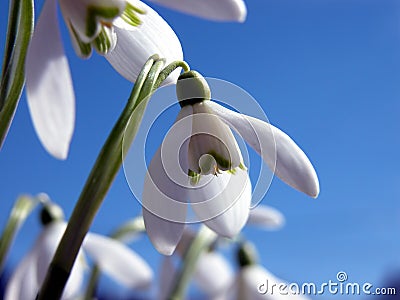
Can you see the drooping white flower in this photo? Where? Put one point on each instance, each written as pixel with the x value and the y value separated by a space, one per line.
pixel 199 161
pixel 114 258
pixel 127 32
pixel 217 10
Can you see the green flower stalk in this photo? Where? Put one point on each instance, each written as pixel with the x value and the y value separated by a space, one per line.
pixel 20 211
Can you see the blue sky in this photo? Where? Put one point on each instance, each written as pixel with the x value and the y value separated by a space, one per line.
pixel 326 72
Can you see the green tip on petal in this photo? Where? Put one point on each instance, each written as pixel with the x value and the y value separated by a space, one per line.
pixel 194 177
pixel 192 88
pixel 131 15
pixel 82 49
pixel 242 167
pixel 95 13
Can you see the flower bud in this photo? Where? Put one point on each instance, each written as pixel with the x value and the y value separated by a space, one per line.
pixel 51 212
pixel 192 88
pixel 247 254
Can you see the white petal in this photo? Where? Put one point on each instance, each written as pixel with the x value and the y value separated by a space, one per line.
pixel 164 192
pixel 117 260
pixel 23 283
pixel 292 165
pixel 213 274
pixel 134 47
pixel 255 278
pixel 167 275
pixel 46 246
pixel 223 202
pixel 164 234
pixel 217 10
pixel 266 217
pixel 211 137
pixel 163 202
pixel 49 86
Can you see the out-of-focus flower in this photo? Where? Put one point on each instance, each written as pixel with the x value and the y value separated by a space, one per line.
pixel 253 281
pixel 266 217
pixel 114 258
pixel 257 283
pixel 216 10
pixel 127 32
pixel 201 149
pixel 212 274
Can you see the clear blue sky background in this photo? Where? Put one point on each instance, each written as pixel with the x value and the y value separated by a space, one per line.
pixel 327 72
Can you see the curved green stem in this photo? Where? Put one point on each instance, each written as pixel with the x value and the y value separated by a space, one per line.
pixel 19 32
pixel 169 69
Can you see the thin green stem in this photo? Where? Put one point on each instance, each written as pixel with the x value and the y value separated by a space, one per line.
pixel 20 28
pixel 129 229
pixel 13 20
pixel 169 69
pixel 201 243
pixel 92 285
pixel 20 211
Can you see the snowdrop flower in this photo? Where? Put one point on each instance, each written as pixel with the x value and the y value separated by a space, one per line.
pixel 253 281
pixel 216 10
pixel 200 148
pixel 127 32
pixel 112 257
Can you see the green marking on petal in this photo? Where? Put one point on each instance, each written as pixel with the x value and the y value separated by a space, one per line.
pixel 232 171
pixel 223 163
pixel 85 50
pixel 94 13
pixel 102 43
pixel 242 167
pixel 131 15
pixel 194 177
pixel 136 9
